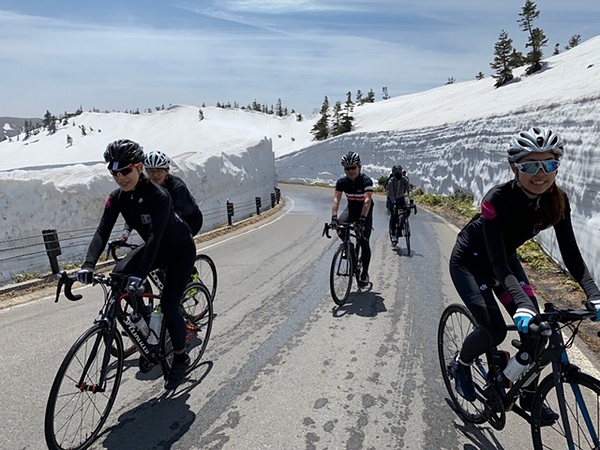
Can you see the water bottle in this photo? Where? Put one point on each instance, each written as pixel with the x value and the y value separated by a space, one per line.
pixel 141 325
pixel 156 319
pixel 516 366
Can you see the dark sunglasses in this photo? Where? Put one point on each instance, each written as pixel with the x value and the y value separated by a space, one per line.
pixel 349 168
pixel 124 171
pixel 532 167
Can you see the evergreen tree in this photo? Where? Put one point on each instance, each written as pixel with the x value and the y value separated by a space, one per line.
pixel 359 99
pixel 69 140
pixel 337 119
pixel 450 80
pixel 279 108
pixel 385 95
pixel 504 60
pixel 537 38
pixel 27 129
pixel 370 97
pixel 320 130
pixel 573 42
pixel 556 49
pixel 480 76
pixel 200 115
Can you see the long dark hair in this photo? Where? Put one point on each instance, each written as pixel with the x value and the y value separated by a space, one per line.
pixel 552 207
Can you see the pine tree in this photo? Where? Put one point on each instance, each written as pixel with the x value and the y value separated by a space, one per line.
pixel 537 38
pixel 320 130
pixel 556 49
pixel 573 42
pixel 480 76
pixel 385 95
pixel 359 99
pixel 450 80
pixel 279 108
pixel 370 96
pixel 337 119
pixel 504 60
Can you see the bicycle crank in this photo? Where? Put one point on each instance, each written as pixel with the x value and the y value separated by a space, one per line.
pixel 494 408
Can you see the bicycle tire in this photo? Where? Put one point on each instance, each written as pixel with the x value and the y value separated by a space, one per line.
pixel 357 263
pixel 197 310
pixel 552 436
pixel 206 272
pixel 340 275
pixel 407 235
pixel 456 323
pixel 75 415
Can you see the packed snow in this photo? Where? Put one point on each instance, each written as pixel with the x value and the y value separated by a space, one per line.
pixel 450 138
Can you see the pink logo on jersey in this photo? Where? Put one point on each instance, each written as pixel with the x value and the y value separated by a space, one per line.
pixel 107 202
pixel 488 211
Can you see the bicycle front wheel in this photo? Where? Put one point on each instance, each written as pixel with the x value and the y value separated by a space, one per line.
pixel 455 325
pixel 579 418
pixel 206 273
pixel 197 310
pixel 84 390
pixel 340 276
pixel 407 235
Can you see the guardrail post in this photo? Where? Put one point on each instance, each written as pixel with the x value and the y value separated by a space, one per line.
pixel 273 200
pixel 229 213
pixel 278 194
pixel 258 205
pixel 52 248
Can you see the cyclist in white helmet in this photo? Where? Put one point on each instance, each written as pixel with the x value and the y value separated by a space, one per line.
pixel 157 165
pixel 484 262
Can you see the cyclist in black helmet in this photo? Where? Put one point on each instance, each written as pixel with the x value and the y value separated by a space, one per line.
pixel 397 188
pixel 484 260
pixel 359 191
pixel 146 207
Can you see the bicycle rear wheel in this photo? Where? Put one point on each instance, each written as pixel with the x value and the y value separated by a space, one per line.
pixel 197 310
pixel 340 276
pixel 206 273
pixel 79 403
pixel 581 412
pixel 455 325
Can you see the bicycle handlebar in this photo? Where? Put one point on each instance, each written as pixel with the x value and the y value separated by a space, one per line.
pixel 115 244
pixel 66 280
pixel 114 280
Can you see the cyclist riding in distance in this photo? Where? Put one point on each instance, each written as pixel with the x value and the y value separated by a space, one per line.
pixel 157 165
pixel 397 187
pixel 146 207
pixel 484 259
pixel 359 192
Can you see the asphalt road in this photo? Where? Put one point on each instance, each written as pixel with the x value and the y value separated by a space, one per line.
pixel 285 368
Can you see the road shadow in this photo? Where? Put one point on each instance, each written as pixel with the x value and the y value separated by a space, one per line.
pixel 159 422
pixel 365 303
pixel 481 436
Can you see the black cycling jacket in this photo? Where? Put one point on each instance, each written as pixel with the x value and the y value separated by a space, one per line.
pixel 147 209
pixel 490 240
pixel 355 193
pixel 184 203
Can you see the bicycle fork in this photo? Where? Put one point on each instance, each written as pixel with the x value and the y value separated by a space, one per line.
pixel 100 386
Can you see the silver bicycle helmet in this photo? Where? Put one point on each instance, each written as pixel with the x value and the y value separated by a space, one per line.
pixel 535 140
pixel 351 159
pixel 157 160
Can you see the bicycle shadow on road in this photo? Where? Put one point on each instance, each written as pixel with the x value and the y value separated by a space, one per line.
pixel 159 422
pixel 365 303
pixel 481 436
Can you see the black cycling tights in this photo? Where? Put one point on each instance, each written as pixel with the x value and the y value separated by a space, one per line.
pixel 180 263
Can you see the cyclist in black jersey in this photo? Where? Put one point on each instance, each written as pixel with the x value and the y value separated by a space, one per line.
pixel 484 259
pixel 157 165
pixel 359 191
pixel 146 207
pixel 397 188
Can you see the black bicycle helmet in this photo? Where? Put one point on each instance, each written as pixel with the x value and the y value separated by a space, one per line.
pixel 396 169
pixel 350 159
pixel 124 151
pixel 535 140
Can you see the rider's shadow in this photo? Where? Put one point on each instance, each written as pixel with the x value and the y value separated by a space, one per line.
pixel 482 437
pixel 159 422
pixel 365 303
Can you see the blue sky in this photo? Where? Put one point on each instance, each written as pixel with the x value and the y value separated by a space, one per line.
pixel 118 55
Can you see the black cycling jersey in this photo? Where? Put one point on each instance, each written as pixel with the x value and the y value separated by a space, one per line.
pixel 488 243
pixel 147 209
pixel 355 193
pixel 184 203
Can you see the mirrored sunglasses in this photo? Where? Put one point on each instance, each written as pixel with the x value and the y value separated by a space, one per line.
pixel 532 167
pixel 349 168
pixel 124 171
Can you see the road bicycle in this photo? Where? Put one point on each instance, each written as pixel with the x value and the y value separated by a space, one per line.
pixel 573 394
pixel 205 272
pixel 86 384
pixel 403 224
pixel 347 261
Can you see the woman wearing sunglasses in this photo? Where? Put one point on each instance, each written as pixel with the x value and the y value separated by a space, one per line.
pixel 146 207
pixel 484 259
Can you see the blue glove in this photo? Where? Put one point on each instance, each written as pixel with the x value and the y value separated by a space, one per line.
pixel 522 319
pixel 135 284
pixel 593 303
pixel 85 276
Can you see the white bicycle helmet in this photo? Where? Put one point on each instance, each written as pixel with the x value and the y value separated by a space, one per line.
pixel 350 159
pixel 535 140
pixel 157 160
